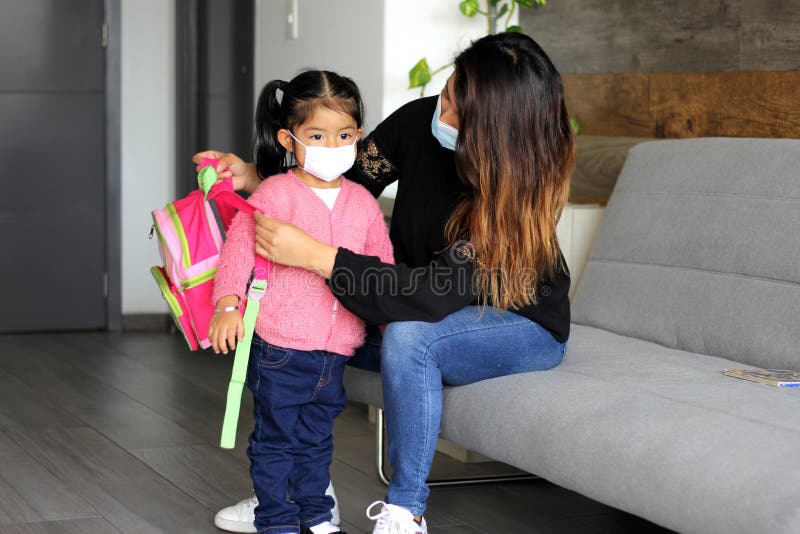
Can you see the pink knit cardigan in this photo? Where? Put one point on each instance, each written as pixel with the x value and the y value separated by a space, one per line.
pixel 298 310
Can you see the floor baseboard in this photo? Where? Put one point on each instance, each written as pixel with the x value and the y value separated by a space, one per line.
pixel 146 322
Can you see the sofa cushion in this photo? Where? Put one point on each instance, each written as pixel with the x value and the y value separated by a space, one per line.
pixel 655 431
pixel 363 386
pixel 698 250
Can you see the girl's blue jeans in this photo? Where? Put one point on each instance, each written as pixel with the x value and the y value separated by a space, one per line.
pixel 296 396
pixel 416 358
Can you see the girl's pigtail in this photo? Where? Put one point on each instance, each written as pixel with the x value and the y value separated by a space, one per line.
pixel 268 154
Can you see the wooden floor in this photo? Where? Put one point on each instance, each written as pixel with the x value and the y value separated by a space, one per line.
pixel 103 433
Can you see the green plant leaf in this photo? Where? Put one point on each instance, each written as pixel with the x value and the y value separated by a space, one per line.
pixel 503 11
pixel 541 2
pixel 469 7
pixel 576 127
pixel 526 3
pixel 514 28
pixel 419 75
pixel 494 2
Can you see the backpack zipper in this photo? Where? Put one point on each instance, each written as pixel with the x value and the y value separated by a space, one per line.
pixel 199 279
pixel 186 257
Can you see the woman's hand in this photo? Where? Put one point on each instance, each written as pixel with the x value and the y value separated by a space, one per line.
pixel 245 177
pixel 227 327
pixel 284 243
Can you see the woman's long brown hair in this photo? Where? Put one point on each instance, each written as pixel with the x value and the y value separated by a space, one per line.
pixel 515 152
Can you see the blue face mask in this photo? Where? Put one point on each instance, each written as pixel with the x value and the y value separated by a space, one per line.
pixel 443 132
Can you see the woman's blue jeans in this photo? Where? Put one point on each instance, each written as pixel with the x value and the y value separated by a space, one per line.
pixel 417 358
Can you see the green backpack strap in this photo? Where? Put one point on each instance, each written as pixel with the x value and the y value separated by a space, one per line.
pixel 240 361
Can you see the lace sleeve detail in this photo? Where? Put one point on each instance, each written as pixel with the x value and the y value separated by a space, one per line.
pixel 464 250
pixel 375 171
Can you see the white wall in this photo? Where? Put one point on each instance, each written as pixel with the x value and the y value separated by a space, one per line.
pixel 345 36
pixel 413 29
pixel 375 42
pixel 433 29
pixel 576 231
pixel 148 141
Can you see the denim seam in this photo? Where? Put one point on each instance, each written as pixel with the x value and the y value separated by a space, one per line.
pixel 445 336
pixel 321 383
pixel 267 530
pixel 324 517
pixel 422 480
pixel 257 395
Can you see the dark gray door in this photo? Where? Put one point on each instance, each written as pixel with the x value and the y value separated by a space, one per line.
pixel 52 165
pixel 216 43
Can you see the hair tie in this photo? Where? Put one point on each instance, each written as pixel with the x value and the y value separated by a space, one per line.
pixel 283 85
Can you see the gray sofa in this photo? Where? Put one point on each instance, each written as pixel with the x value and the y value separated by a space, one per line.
pixel 694 269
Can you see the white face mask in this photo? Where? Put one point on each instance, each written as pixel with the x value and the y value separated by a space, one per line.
pixel 328 163
pixel 443 132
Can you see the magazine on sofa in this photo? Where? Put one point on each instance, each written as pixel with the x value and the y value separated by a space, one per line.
pixel 774 377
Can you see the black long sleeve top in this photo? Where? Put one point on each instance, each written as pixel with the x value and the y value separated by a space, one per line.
pixel 429 280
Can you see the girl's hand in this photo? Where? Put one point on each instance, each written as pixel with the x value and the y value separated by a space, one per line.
pixel 226 329
pixel 284 243
pixel 231 166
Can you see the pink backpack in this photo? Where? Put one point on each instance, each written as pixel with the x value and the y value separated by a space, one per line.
pixel 190 240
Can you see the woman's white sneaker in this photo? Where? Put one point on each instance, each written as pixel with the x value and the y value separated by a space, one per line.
pixel 240 516
pixel 393 519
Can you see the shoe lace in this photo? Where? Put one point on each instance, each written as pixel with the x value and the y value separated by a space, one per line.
pixel 252 502
pixel 387 523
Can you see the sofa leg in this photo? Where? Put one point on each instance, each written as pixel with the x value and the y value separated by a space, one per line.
pixel 380 446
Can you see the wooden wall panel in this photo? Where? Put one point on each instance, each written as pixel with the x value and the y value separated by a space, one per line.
pixel 733 104
pixel 669 69
pixel 602 36
pixel 728 104
pixel 770 35
pixel 768 44
pixel 598 162
pixel 770 11
pixel 610 104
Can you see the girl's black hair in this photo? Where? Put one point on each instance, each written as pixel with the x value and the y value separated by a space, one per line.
pixel 301 96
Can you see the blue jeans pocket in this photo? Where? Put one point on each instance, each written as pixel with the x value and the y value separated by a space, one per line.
pixel 274 356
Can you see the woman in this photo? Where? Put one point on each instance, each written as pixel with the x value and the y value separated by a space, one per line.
pixel 480 285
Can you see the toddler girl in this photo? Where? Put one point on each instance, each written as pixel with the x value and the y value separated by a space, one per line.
pixel 302 337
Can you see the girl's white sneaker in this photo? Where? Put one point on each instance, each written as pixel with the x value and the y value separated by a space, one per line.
pixel 395 520
pixel 240 516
